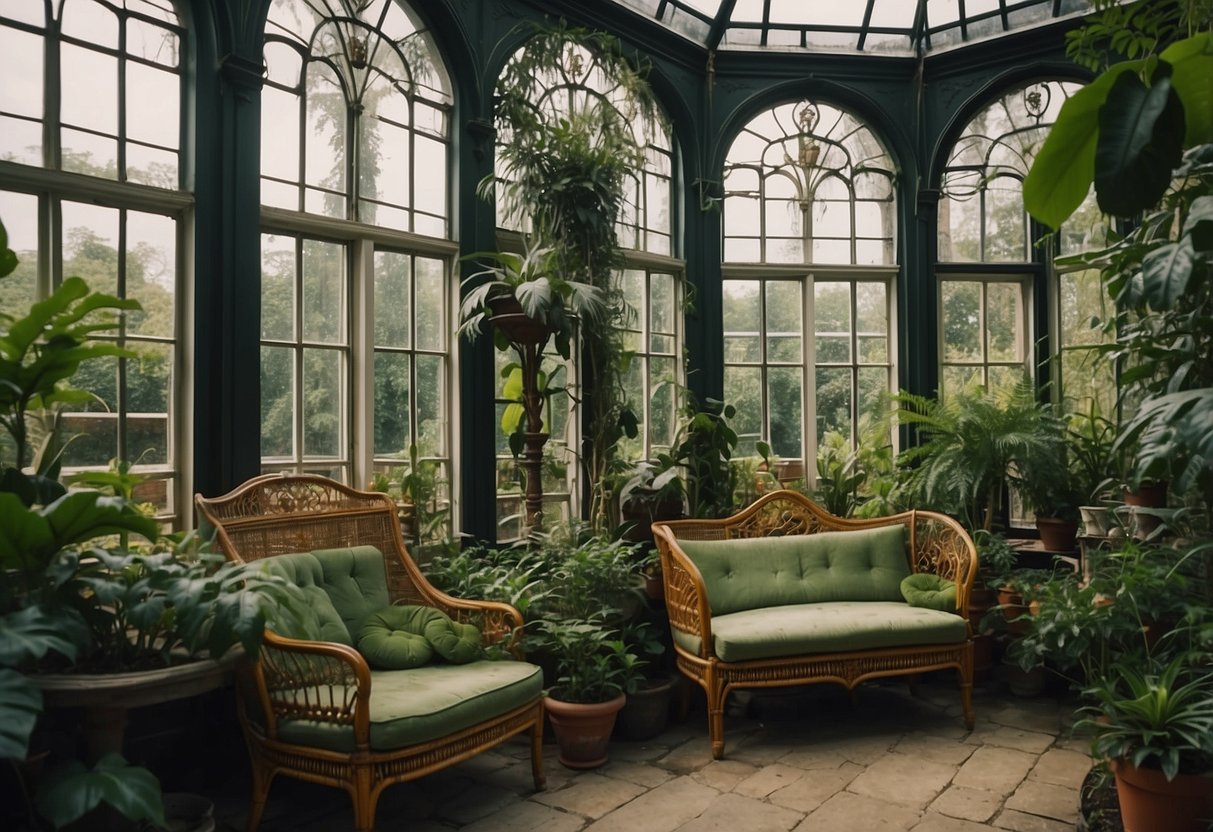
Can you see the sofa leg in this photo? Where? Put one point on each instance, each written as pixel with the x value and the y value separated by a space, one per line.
pixel 537 755
pixel 261 793
pixel 716 703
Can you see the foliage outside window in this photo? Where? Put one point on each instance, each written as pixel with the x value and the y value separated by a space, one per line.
pixel 809 264
pixel 95 89
pixel 355 123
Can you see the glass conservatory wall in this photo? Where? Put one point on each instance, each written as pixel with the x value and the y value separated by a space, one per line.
pixel 356 258
pixel 94 89
pixel 651 283
pixel 809 280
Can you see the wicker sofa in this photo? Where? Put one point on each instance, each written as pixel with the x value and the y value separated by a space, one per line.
pixel 316 710
pixel 784 593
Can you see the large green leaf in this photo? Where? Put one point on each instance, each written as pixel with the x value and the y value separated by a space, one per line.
pixel 1064 168
pixel 25 535
pixel 20 704
pixel 1192 78
pixel 8 259
pixel 72 792
pixel 1199 223
pixel 31 633
pixel 1140 142
pixel 80 516
pixel 1166 272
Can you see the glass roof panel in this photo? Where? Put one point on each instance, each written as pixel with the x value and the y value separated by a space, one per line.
pixel 885 27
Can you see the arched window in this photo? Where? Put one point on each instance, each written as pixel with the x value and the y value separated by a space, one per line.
pixel 649 281
pixel 990 252
pixel 94 88
pixel 356 256
pixel 809 268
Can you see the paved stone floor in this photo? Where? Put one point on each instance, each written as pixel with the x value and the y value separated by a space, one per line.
pixel 802 759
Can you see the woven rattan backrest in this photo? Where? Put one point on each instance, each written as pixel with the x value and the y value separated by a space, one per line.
pixel 278 514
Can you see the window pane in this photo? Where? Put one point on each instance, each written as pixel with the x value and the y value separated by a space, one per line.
pixel 1006 228
pixel 19 212
pixel 961 321
pixel 91 99
pixel 277 287
pixel 743 390
pixel 152 42
pixel 21 93
pixel 872 404
pixel 90 245
pixel 151 105
pixel 148 391
pixel 151 259
pixel 956 379
pixel 431 405
pixel 431 317
pixel 784 326
pixel 277 402
pixel 786 394
pixel 1004 321
pixel 323 382
pixel 90 21
pixel 325 138
pixel 324 292
pixel 279 134
pixel 663 403
pixel 392 408
pixel 393 312
pixel 742 321
pixel 832 322
pixel 833 402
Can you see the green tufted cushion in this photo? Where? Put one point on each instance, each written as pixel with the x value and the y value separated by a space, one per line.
pixel 746 574
pixel 456 642
pixel 930 591
pixel 321 619
pixel 356 582
pixel 394 639
pixel 425 703
pixel 830 627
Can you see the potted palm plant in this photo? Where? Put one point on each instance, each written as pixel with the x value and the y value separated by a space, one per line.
pixel 1154 724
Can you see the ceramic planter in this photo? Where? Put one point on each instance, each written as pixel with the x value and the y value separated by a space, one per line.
pixel 517 326
pixel 1153 495
pixel 583 730
pixel 1151 803
pixel 647 711
pixel 1096 520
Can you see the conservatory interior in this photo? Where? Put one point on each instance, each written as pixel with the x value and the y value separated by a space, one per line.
pixel 819 395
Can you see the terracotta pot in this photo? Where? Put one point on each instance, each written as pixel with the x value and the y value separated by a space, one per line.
pixel 1152 495
pixel 643 513
pixel 647 711
pixel 1013 607
pixel 583 730
pixel 1025 682
pixel 517 326
pixel 980 601
pixel 1056 535
pixel 1151 803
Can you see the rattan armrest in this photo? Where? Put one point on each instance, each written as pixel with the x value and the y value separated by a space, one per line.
pixel 686 597
pixel 316 680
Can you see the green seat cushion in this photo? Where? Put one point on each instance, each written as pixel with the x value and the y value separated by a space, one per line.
pixel 394 638
pixel 831 627
pixel 931 591
pixel 356 582
pixel 320 619
pixel 425 703
pixel 751 573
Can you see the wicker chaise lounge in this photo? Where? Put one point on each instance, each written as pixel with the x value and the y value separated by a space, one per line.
pixel 767 598
pixel 315 710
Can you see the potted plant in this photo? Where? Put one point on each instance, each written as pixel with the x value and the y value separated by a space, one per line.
pixel 653 492
pixel 1154 724
pixel 594 669
pixel 1089 439
pixel 703 448
pixel 1054 497
pixel 88 618
pixel 564 170
pixel 646 712
pixel 995 558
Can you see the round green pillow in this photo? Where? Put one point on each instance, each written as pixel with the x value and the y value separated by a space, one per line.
pixel 457 643
pixel 931 591
pixel 394 639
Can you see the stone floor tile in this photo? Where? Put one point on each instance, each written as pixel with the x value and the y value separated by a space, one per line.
pixel 663 809
pixel 995 769
pixel 1021 822
pixel 856 813
pixel 641 752
pixel 724 775
pixel 591 795
pixel 934 748
pixel 812 758
pixel 1045 799
pixel 1061 767
pixel 905 780
pixel 1043 715
pixel 815 788
pixel 967 804
pixel 1006 737
pixel 768 779
pixel 476 803
pixel 932 822
pixel 690 756
pixel 863 750
pixel 733 812
pixel 528 816
pixel 642 774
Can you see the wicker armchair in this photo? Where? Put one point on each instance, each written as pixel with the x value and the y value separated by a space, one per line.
pixel 328 684
pixel 935 544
